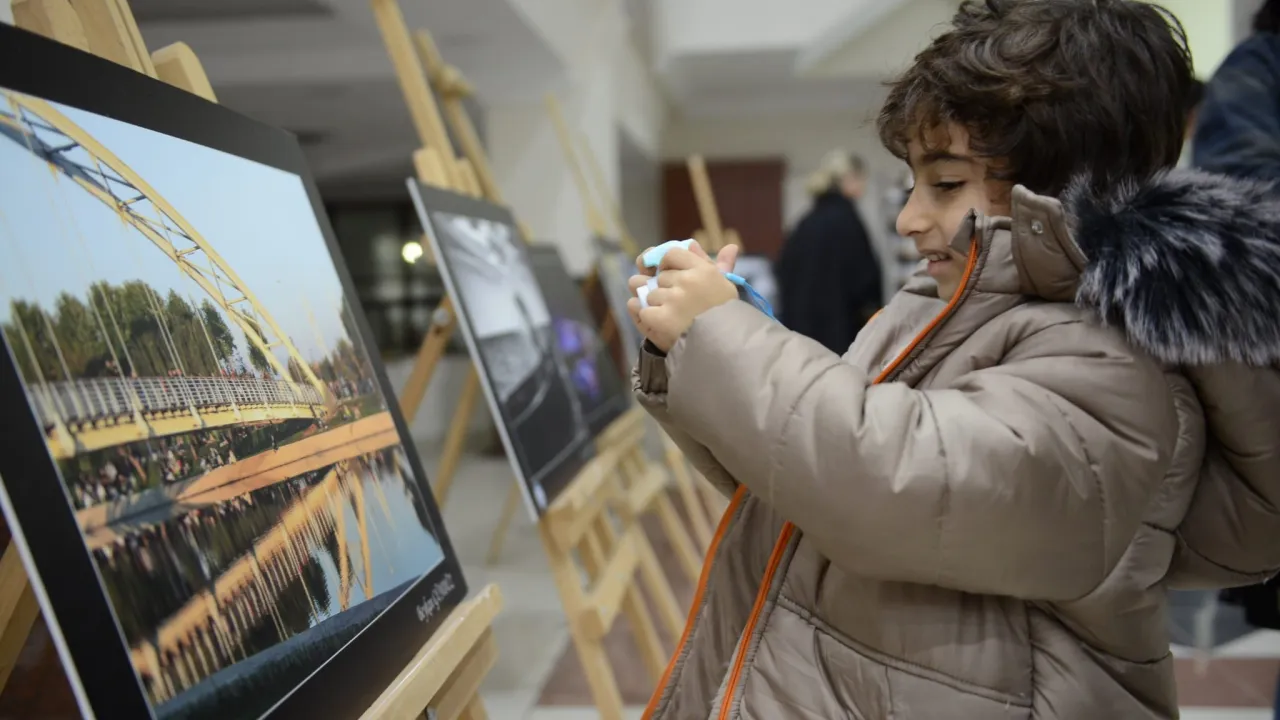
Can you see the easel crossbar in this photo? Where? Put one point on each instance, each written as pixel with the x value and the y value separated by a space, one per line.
pixel 605 598
pixel 422 680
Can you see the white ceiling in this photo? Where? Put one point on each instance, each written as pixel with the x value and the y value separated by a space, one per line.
pixel 320 69
pixel 838 66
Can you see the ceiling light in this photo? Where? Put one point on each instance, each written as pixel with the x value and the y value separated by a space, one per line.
pixel 411 251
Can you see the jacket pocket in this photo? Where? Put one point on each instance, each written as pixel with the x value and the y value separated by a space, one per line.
pixel 803 672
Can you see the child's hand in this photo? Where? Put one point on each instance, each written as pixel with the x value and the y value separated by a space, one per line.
pixel 689 284
pixel 725 260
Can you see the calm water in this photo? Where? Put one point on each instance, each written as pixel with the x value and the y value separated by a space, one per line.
pixel 207 590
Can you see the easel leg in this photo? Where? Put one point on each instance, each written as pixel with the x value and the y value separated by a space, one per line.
pixel 18 610
pixel 698 516
pixel 474 711
pixel 504 523
pixel 595 662
pixel 599 543
pixel 664 598
pixel 455 441
pixel 689 559
pixel 443 323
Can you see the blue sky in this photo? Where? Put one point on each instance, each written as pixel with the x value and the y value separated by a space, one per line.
pixel 55 237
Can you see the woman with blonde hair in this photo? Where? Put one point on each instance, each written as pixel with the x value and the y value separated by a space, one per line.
pixel 828 275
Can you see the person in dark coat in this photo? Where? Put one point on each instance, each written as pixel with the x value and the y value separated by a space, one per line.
pixel 1238 128
pixel 1238 133
pixel 828 275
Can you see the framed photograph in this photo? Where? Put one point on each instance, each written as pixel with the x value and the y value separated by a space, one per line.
pixel 206 473
pixel 602 396
pixel 615 268
pixel 511 333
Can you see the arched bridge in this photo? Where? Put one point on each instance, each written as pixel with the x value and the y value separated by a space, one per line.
pixel 83 415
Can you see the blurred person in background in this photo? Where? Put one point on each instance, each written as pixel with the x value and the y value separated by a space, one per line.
pixel 1195 95
pixel 1238 125
pixel 828 275
pixel 1238 133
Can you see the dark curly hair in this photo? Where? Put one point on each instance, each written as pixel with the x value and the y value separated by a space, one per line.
pixel 1052 89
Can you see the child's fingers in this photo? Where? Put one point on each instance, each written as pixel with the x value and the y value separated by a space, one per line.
pixel 655 322
pixel 642 268
pixel 679 259
pixel 660 296
pixel 727 258
pixel 635 282
pixel 696 248
pixel 651 318
pixel 633 309
pixel 671 278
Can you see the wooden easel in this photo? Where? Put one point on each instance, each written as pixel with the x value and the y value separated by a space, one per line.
pixel 700 518
pixel 592 528
pixel 443 680
pixel 712 236
pixel 451 88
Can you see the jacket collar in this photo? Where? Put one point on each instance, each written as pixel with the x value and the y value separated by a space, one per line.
pixel 1186 264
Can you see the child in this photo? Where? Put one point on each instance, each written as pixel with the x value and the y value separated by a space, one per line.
pixel 975 513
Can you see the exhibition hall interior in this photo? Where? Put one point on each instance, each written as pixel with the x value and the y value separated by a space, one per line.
pixel 318 358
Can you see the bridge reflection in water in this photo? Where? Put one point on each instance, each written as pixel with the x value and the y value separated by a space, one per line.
pixel 327 551
pixel 84 415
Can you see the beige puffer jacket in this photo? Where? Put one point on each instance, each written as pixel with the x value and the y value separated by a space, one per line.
pixel 976 511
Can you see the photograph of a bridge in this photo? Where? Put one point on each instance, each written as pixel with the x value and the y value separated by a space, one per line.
pixel 221 436
pixel 511 334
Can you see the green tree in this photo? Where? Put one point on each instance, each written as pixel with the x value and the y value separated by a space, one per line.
pixel 296 372
pixel 79 336
pixel 104 298
pixel 258 359
pixel 29 334
pixel 148 335
pixel 135 303
pixel 224 343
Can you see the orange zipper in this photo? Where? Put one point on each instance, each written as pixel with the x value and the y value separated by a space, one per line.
pixel 697 598
pixel 775 558
pixel 788 529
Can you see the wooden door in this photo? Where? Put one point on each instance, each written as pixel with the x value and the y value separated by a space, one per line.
pixel 748 194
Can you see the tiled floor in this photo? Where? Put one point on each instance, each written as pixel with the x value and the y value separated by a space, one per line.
pixel 1237 683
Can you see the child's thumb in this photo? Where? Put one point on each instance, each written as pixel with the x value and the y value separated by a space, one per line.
pixel 727 258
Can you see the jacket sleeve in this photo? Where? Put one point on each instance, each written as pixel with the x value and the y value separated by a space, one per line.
pixel 1238 131
pixel 1026 479
pixel 649 382
pixel 1231 532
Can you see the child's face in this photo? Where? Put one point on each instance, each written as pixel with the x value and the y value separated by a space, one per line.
pixel 949 182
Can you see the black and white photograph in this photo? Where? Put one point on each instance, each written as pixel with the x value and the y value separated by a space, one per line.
pixel 208 406
pixel 601 394
pixel 512 335
pixel 615 269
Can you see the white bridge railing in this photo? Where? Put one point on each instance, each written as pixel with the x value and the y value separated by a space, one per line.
pixel 82 401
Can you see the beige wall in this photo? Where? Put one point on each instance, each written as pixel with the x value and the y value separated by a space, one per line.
pixel 801 140
pixel 641 182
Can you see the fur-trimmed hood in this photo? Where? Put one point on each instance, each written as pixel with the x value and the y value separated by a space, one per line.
pixel 1187 264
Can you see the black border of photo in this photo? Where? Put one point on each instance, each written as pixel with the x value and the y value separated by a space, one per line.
pixel 430 199
pixel 95 657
